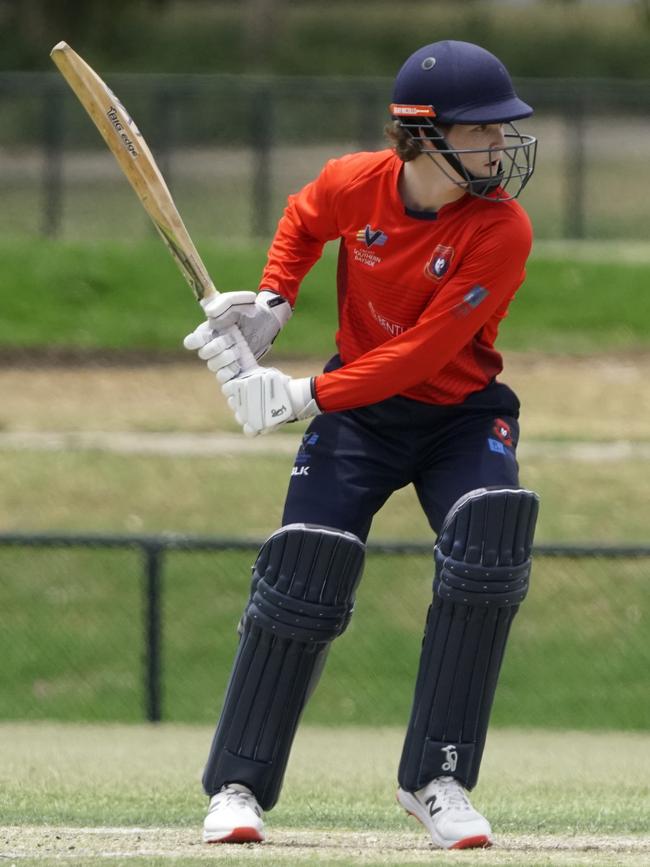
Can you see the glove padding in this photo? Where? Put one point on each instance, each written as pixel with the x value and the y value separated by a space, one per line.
pixel 267 398
pixel 222 352
pixel 259 317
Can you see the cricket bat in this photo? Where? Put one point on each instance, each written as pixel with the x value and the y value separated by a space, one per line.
pixel 129 148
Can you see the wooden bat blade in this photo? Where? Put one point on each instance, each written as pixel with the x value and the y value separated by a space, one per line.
pixel 136 161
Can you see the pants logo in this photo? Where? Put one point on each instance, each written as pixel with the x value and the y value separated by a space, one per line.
pixel 300 471
pixel 502 430
pixel 452 758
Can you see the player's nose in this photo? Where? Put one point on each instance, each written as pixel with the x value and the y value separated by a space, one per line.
pixel 498 137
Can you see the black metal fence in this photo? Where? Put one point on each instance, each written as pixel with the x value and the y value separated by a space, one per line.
pixel 107 627
pixel 232 147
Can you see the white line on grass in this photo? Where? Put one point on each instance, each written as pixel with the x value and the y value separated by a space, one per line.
pixel 209 445
pixel 134 443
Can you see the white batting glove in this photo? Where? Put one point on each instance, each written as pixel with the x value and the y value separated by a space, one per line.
pixel 267 398
pixel 222 352
pixel 258 315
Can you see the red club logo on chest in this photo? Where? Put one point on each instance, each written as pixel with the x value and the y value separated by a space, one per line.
pixel 439 263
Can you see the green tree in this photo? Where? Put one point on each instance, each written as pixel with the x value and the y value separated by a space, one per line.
pixel 643 7
pixel 29 28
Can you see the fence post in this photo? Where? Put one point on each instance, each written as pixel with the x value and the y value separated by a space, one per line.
pixel 53 107
pixel 575 180
pixel 153 630
pixel 164 110
pixel 261 126
pixel 368 110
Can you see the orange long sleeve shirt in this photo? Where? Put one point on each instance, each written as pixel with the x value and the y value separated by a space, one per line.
pixel 420 295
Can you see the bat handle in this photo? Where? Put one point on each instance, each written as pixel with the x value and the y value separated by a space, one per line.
pixel 247 359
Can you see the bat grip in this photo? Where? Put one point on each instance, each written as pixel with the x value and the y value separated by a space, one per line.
pixel 246 358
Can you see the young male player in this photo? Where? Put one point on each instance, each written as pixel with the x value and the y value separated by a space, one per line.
pixel 432 251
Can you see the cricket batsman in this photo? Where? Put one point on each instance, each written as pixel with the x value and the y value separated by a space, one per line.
pixel 432 249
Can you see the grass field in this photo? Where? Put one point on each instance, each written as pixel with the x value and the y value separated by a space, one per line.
pixel 73 649
pixel 94 491
pixel 119 296
pixel 89 795
pixel 562 396
pixel 71 645
pixel 97 489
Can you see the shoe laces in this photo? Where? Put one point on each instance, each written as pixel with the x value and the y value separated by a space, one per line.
pixel 454 794
pixel 240 797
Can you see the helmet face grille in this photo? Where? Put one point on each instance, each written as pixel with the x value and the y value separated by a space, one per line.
pixel 515 169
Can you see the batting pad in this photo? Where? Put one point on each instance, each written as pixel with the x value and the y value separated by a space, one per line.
pixel 302 597
pixel 483 560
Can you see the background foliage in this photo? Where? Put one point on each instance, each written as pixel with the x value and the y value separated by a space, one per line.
pixel 548 38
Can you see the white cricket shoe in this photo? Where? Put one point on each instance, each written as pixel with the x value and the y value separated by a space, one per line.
pixel 445 811
pixel 234 816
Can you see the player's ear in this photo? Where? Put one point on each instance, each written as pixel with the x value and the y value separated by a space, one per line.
pixel 423 136
pixel 432 130
pixel 444 129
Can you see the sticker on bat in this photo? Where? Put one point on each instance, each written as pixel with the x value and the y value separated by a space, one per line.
pixel 112 115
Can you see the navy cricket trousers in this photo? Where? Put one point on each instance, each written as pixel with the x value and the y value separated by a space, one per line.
pixel 350 462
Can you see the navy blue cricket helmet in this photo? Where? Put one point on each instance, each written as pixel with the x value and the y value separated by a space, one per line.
pixel 451 82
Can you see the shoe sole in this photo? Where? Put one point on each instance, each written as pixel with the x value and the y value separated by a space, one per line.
pixel 480 841
pixel 237 835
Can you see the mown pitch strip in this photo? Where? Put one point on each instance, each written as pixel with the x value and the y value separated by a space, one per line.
pixel 295 847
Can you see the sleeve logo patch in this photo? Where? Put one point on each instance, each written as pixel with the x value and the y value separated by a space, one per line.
pixel 471 301
pixel 475 295
pixel 439 263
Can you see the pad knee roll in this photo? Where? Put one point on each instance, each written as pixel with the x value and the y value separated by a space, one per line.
pixel 482 554
pixel 483 561
pixel 304 581
pixel 302 597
